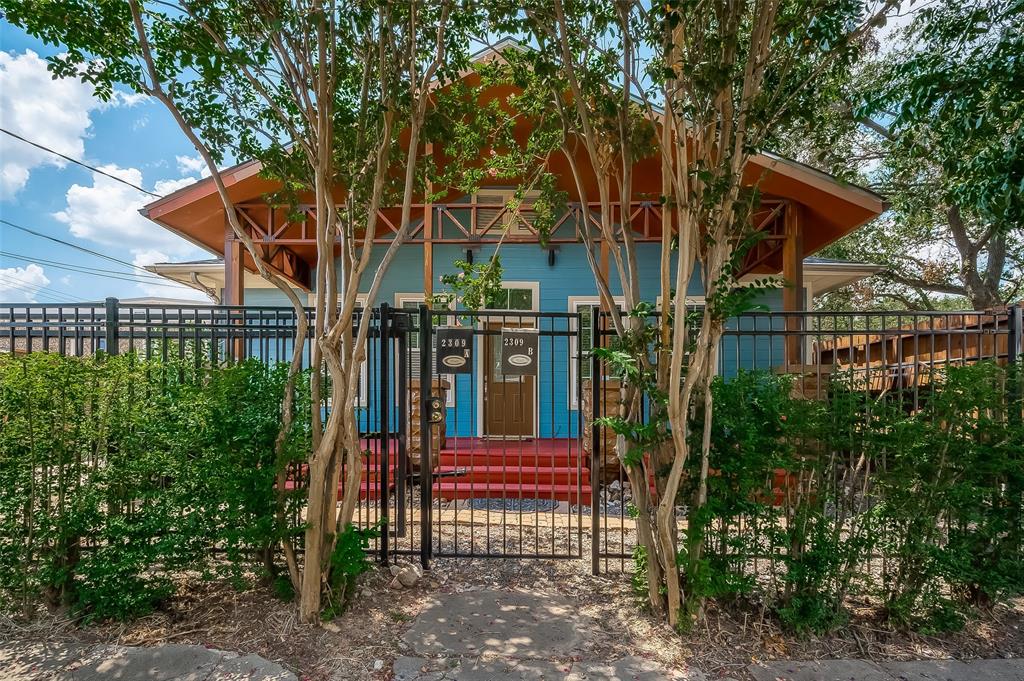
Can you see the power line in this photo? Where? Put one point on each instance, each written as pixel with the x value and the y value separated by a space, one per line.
pixel 80 163
pixel 84 269
pixel 76 246
pixel 36 289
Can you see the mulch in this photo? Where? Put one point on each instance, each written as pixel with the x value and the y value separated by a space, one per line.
pixel 365 640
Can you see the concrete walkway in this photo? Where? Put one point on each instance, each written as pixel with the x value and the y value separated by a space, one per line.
pixel 60 662
pixel 862 670
pixel 513 636
pixel 508 636
pixel 469 636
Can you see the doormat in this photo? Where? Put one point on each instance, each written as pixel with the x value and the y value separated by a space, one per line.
pixel 515 505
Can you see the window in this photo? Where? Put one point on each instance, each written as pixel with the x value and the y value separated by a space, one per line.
pixel 517 295
pixel 514 298
pixel 585 306
pixel 412 302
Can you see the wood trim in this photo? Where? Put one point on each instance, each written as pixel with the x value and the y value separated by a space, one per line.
pixel 428 234
pixel 234 268
pixel 793 273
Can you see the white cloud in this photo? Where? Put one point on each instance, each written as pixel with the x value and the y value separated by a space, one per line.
pixel 52 112
pixel 107 213
pixel 189 165
pixel 22 284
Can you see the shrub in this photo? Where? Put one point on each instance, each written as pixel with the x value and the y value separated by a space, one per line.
pixel 118 472
pixel 914 498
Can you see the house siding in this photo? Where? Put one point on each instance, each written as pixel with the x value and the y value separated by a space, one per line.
pixel 569 276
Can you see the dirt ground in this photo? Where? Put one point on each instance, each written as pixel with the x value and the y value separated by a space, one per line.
pixel 362 643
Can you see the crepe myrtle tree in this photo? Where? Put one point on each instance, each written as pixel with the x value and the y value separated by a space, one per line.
pixel 704 86
pixel 325 94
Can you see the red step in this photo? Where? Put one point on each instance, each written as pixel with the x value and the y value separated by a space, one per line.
pixel 515 475
pixel 510 457
pixel 448 490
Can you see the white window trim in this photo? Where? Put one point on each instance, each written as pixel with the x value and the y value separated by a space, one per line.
pixel 534 286
pixel 400 300
pixel 575 303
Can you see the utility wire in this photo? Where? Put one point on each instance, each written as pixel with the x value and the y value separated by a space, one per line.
pixel 85 269
pixel 76 246
pixel 36 289
pixel 118 276
pixel 80 163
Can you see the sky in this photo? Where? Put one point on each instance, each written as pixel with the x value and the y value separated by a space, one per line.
pixel 130 137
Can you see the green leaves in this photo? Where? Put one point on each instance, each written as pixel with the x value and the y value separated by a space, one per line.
pixel 932 122
pixel 476 287
pixel 800 491
pixel 148 465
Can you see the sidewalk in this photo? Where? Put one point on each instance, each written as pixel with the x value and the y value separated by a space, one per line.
pixel 477 635
pixel 20 661
pixel 862 670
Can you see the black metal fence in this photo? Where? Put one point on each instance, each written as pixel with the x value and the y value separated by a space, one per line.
pixel 484 464
pixel 893 356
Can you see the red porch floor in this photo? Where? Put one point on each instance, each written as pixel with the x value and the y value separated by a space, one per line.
pixel 540 468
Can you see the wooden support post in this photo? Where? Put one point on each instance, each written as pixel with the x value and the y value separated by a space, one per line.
pixel 793 272
pixel 234 290
pixel 234 269
pixel 428 236
pixel 604 262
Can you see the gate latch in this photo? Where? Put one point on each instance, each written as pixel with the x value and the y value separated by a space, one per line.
pixel 436 415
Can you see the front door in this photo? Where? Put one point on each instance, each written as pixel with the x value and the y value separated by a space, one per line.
pixel 508 400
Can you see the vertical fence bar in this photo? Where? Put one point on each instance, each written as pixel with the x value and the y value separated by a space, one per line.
pixel 1014 352
pixel 110 326
pixel 426 456
pixel 402 403
pixel 383 460
pixel 596 472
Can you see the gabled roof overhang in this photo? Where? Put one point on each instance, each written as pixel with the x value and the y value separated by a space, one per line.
pixel 831 208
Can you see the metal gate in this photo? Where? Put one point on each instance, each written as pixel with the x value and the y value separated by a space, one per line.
pixel 474 461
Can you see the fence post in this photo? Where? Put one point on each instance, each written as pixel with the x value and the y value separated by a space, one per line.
pixel 384 416
pixel 1015 337
pixel 1014 352
pixel 426 432
pixel 596 469
pixel 110 322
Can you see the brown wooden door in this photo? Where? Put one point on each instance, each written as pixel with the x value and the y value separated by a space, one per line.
pixel 508 400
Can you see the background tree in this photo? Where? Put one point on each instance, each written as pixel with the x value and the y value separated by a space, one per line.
pixel 932 121
pixel 325 95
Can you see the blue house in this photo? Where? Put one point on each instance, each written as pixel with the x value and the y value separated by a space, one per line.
pixel 802 210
